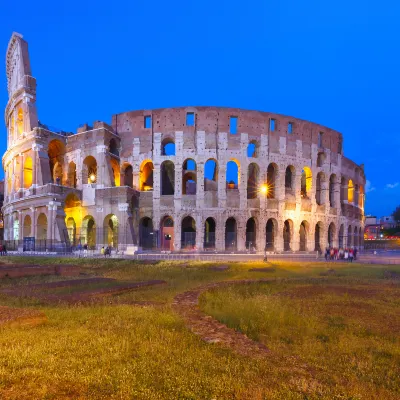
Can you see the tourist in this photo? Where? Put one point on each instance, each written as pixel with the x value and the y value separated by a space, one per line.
pixel 85 250
pixel 102 251
pixel 4 250
pixel 1 249
pixel 346 254
pixel 327 253
pixel 355 253
pixel 351 255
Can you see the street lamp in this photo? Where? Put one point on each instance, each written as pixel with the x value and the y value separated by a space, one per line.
pixel 264 192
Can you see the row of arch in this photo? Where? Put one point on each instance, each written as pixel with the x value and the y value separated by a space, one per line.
pixel 308 240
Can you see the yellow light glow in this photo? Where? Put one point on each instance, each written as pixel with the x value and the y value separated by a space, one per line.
pixel 92 177
pixel 264 189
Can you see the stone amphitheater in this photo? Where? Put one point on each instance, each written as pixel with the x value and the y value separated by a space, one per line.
pixel 175 179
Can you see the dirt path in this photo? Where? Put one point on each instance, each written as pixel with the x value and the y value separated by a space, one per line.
pixel 209 329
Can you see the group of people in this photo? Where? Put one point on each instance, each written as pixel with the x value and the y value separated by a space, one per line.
pixel 3 250
pixel 334 254
pixel 106 251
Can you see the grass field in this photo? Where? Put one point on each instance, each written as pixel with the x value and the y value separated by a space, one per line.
pixel 331 337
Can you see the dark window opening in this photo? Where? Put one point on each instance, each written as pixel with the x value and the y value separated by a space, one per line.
pixel 290 127
pixel 233 125
pixel 190 119
pixel 272 124
pixel 147 121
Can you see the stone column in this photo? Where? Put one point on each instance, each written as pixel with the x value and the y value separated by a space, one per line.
pixel 21 170
pixel 177 233
pixel 199 232
pixel 33 217
pixel 200 186
pixel 243 186
pixel 279 236
pixel 241 234
pixel 122 224
pixel 220 233
pixel 222 185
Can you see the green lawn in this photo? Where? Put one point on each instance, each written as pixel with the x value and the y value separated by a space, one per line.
pixel 332 337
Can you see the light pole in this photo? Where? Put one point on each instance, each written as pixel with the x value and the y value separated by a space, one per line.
pixel 264 192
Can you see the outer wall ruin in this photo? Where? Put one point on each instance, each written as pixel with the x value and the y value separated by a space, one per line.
pixel 203 178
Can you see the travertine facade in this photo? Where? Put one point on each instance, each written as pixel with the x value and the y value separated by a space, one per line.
pixel 158 178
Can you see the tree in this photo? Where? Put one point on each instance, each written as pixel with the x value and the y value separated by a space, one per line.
pixel 396 214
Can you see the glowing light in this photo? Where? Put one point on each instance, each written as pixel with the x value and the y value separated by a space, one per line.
pixel 92 177
pixel 264 189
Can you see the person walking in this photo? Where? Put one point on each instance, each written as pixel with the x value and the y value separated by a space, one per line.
pixel 346 255
pixel 351 255
pixel 102 252
pixel 85 250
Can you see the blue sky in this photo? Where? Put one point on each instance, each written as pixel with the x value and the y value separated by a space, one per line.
pixel 332 62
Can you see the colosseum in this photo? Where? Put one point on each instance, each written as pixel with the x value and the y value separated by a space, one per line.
pixel 175 179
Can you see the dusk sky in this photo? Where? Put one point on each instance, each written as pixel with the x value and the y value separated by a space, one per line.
pixel 336 63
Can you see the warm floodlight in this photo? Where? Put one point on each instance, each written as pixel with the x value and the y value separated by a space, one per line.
pixel 264 189
pixel 92 177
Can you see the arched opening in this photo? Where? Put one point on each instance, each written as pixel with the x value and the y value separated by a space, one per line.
pixel 287 235
pixel 189 177
pixel 331 235
pixel 251 234
pixel 71 174
pixel 361 198
pixel 146 233
pixel 252 148
pixel 270 233
pixel 115 171
pixel 349 236
pixel 16 228
pixel 71 229
pixel 72 201
pixel 289 179
pixel 111 231
pixel 41 228
pixel 146 176
pixel 304 229
pixel 28 173
pixel 128 175
pixel 232 174
pixel 306 182
pixel 271 180
pixel 188 233
pixel 88 232
pixel 167 234
pixel 27 229
pixel 318 235
pixel 332 183
pixel 319 191
pixel 231 234
pixel 350 191
pixel 209 233
pixel 167 178
pixel 89 170
pixel 211 175
pixel 56 153
pixel 355 237
pixel 20 121
pixel 341 236
pixel 113 147
pixel 253 173
pixel 321 159
pixel 168 147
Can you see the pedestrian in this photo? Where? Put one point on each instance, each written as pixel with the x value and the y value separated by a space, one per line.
pixel 1 249
pixel 85 250
pixel 351 255
pixel 346 254
pixel 102 251
pixel 326 254
pixel 4 250
pixel 355 253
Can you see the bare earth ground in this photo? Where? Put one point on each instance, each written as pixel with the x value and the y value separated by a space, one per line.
pixel 167 330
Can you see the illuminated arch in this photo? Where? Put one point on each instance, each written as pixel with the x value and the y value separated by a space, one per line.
pixel 41 228
pixel 189 177
pixel 116 171
pixel 89 170
pixel 27 228
pixel 28 167
pixel 146 181
pixel 350 191
pixel 306 182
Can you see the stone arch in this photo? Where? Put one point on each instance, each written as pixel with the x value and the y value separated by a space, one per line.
pixel 332 235
pixel 28 169
pixel 318 234
pixel 341 236
pixel 332 188
pixel 167 178
pixel 361 197
pixel 232 174
pixel 188 233
pixel 252 149
pixel 89 170
pixel 71 230
pixel 71 201
pixel 209 233
pixel 146 181
pixel 72 175
pixel 287 235
pixel 127 175
pixel 319 190
pixel 289 178
pixel 251 234
pixel 211 175
pixel 304 232
pixel 272 173
pixel 306 182
pixel 231 234
pixel 41 227
pixel 20 121
pixel 88 231
pixel 27 228
pixel 56 152
pixel 168 147
pixel 113 147
pixel 167 233
pixel 253 174
pixel 350 191
pixel 189 177
pixel 349 236
pixel 321 159
pixel 110 227
pixel 115 168
pixel 16 235
pixel 271 228
pixel 146 233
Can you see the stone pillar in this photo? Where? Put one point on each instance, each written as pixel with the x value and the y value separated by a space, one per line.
pixel 103 167
pixel 261 234
pixel 279 236
pixel 243 186
pixel 199 232
pixel 241 234
pixel 21 170
pixel 177 233
pixel 220 233
pixel 21 226
pixel 295 240
pixel 222 185
pixel 34 224
pixel 200 186
pixel 122 224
